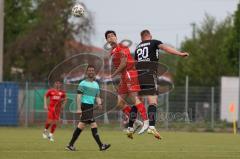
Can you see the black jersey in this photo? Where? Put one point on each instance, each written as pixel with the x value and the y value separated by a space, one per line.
pixel 147 56
pixel 147 51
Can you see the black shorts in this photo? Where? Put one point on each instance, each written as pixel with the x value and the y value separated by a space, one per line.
pixel 148 83
pixel 87 113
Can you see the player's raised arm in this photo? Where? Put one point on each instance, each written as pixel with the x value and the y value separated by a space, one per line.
pixel 122 65
pixel 171 50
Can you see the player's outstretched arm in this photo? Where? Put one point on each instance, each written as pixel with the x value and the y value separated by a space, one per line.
pixel 122 65
pixel 171 50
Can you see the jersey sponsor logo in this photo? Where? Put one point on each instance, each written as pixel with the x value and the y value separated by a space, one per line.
pixel 56 97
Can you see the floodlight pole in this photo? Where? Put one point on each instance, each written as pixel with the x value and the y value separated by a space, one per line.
pixel 1 37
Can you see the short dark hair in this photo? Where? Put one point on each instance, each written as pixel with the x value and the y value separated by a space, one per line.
pixel 109 32
pixel 90 66
pixel 144 32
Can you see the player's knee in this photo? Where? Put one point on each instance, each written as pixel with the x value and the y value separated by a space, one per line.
pixel 50 121
pixel 141 99
pixel 81 126
pixel 120 104
pixel 54 122
pixel 94 125
pixel 152 101
pixel 137 101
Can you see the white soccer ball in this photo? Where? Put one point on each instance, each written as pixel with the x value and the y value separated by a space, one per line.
pixel 78 10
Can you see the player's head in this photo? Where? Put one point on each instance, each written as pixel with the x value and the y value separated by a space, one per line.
pixel 111 37
pixel 90 71
pixel 145 35
pixel 57 85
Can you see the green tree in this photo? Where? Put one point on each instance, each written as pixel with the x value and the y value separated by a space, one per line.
pixel 41 46
pixel 208 59
pixel 233 43
pixel 19 16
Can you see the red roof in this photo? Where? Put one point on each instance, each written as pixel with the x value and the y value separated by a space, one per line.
pixel 79 47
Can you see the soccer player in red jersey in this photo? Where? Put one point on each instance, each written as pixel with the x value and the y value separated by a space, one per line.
pixel 124 64
pixel 57 101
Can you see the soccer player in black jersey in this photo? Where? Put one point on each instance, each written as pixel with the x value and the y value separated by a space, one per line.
pixel 147 57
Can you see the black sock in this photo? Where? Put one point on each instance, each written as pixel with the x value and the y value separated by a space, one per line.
pixel 76 133
pixel 96 136
pixel 132 116
pixel 152 112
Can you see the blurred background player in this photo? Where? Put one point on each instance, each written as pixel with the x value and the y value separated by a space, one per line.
pixel 88 91
pixel 124 64
pixel 57 101
pixel 147 57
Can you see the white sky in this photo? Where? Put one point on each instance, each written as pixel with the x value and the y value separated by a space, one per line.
pixel 168 20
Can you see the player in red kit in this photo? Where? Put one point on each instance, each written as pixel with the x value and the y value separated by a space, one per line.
pixel 124 65
pixel 57 100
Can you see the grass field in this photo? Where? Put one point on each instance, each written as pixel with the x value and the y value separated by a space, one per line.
pixel 27 143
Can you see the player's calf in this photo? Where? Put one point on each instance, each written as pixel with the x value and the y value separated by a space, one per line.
pixel 152 113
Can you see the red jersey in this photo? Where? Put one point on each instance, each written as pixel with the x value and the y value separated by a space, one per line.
pixel 56 97
pixel 117 55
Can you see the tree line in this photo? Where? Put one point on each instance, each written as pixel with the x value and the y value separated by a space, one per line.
pixel 35 33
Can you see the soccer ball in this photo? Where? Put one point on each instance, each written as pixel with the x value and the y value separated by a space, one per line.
pixel 78 10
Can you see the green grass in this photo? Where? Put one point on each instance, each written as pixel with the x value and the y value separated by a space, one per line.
pixel 27 143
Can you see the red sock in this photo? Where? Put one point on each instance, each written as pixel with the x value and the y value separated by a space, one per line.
pixel 126 110
pixel 53 128
pixel 47 125
pixel 142 110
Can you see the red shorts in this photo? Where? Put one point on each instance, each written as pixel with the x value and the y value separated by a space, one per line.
pixel 129 82
pixel 53 114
